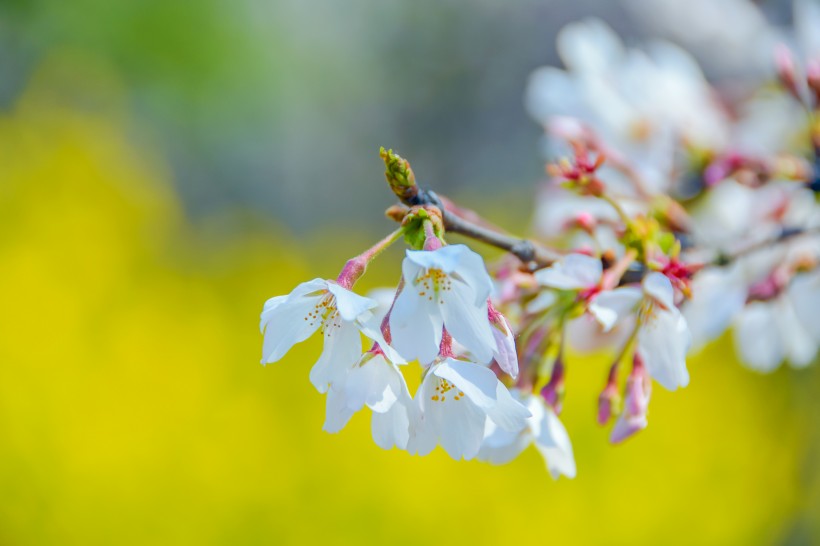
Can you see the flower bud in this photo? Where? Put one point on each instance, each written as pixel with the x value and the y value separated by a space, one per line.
pixel 553 392
pixel 608 402
pixel 636 403
pixel 399 176
pixel 505 354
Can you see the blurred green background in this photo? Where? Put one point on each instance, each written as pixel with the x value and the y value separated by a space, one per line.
pixel 166 166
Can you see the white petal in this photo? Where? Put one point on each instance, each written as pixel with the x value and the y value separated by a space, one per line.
pixel 468 323
pixel 589 46
pixel 350 304
pixel 423 430
pixel 337 414
pixel 800 347
pixel 415 326
pixel 484 389
pixel 502 446
pixel 268 310
pixel 757 337
pixel 508 413
pixel 376 383
pixel 476 381
pixel 384 299
pixel 611 306
pixel 658 287
pixel 342 349
pixel 310 288
pixel 459 261
pixel 542 302
pixel 663 342
pixel 458 425
pixel 555 446
pixel 574 272
pixel 718 294
pixel 286 324
pixel 804 292
pixel 392 428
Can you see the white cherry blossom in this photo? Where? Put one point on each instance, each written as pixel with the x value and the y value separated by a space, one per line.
pixel 454 401
pixel 319 305
pixel 663 336
pixel 543 429
pixel 640 102
pixel 447 287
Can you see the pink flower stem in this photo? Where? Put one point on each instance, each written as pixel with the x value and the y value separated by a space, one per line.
pixel 356 267
pixel 612 276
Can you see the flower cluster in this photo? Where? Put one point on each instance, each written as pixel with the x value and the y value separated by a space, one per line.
pixel 670 215
pixel 728 185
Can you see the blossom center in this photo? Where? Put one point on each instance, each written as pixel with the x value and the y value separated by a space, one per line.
pixel 444 389
pixel 431 283
pixel 326 314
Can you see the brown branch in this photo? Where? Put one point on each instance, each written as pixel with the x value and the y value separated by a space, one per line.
pixel 402 182
pixel 533 255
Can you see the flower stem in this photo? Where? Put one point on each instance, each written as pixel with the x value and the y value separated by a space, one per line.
pixel 356 267
pixel 613 275
pixel 618 209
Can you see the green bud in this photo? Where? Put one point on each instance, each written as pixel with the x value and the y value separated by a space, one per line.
pixel 399 175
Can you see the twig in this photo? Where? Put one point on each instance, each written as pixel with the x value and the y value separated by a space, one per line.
pixel 530 253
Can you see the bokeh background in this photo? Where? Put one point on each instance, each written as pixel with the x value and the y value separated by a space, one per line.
pixel 166 166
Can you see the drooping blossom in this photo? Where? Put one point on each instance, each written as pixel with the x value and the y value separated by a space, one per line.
pixel 447 287
pixel 318 305
pixel 454 402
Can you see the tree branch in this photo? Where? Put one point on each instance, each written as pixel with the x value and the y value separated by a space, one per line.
pixel 533 255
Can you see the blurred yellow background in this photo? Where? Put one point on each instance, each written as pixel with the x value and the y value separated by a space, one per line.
pixel 134 410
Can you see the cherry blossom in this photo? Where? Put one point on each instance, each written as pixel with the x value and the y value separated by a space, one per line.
pixel 454 401
pixel 318 305
pixel 448 288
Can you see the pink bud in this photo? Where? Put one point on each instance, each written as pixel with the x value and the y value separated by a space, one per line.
pixel 505 355
pixel 606 401
pixel 636 405
pixel 553 392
